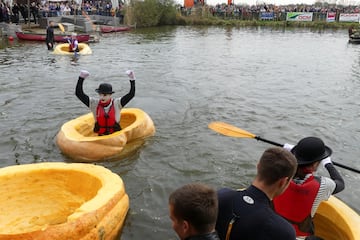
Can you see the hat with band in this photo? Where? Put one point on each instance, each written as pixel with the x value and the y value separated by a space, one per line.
pixel 310 150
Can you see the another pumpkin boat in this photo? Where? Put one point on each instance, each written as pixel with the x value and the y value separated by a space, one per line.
pixel 64 49
pixel 77 139
pixel 57 201
pixel 334 220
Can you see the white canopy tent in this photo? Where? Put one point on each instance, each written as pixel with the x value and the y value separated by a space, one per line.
pixel 9 1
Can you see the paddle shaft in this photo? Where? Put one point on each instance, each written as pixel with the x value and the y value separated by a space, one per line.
pixel 281 145
pixel 268 141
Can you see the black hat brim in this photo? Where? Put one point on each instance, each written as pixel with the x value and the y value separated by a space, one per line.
pixel 304 161
pixel 99 91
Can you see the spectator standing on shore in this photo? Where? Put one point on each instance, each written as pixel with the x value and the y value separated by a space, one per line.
pixel 301 199
pixel 66 11
pixel 34 11
pixel 23 11
pixel 15 11
pixel 248 214
pixel 50 36
pixel 193 210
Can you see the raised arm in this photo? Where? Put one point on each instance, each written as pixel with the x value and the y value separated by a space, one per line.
pixel 130 95
pixel 79 92
pixel 334 175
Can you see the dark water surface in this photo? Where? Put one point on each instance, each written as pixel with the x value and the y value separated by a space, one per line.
pixel 281 85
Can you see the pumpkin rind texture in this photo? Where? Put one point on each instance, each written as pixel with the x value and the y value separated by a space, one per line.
pixel 334 220
pixel 57 201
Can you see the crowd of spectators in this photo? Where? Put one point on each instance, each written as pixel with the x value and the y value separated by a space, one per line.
pixel 45 8
pixel 104 7
pixel 245 11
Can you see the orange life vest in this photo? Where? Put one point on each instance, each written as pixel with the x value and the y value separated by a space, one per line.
pixel 295 205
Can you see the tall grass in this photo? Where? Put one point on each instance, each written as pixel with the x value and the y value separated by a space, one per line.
pixel 150 13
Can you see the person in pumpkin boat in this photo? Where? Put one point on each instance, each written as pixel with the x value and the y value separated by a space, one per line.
pixel 248 214
pixel 298 204
pixel 74 44
pixel 106 109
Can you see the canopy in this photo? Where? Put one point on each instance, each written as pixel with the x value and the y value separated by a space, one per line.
pixel 115 3
pixel 9 1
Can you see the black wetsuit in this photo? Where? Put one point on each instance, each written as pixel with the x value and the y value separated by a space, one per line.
pixel 50 38
pixel 208 236
pixel 253 215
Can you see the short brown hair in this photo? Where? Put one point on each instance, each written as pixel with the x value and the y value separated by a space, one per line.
pixel 196 203
pixel 276 163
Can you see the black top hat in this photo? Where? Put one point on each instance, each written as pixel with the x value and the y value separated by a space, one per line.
pixel 104 88
pixel 310 149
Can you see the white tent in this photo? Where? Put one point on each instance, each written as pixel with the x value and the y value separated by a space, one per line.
pixel 115 3
pixel 9 1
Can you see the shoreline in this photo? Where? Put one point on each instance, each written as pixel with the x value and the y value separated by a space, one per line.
pixel 194 20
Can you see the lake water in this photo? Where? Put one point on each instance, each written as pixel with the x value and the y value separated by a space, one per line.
pixel 282 85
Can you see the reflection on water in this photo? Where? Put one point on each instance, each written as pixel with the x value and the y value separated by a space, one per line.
pixel 279 84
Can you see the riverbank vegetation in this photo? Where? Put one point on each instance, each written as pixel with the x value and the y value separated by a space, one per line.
pixel 150 13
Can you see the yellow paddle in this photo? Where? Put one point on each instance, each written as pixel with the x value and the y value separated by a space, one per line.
pixel 61 27
pixel 232 131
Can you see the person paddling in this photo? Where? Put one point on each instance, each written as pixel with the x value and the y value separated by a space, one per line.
pixel 105 109
pixel 301 199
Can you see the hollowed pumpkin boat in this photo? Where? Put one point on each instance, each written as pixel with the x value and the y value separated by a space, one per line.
pixel 64 49
pixel 58 201
pixel 334 220
pixel 77 139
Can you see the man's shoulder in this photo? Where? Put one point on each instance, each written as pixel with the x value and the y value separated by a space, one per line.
pixel 226 192
pixel 279 228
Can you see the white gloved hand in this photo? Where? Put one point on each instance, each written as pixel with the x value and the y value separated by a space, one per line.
pixel 288 146
pixel 326 161
pixel 131 74
pixel 84 74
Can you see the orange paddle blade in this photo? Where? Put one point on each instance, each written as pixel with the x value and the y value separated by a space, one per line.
pixel 61 27
pixel 230 130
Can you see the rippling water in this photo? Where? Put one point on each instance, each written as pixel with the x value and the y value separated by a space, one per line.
pixel 281 85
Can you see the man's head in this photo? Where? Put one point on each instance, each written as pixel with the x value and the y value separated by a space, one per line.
pixel 105 91
pixel 276 166
pixel 193 210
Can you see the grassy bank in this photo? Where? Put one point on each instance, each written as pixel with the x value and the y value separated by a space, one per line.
pixel 151 13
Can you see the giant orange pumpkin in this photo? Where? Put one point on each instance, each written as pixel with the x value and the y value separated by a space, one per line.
pixel 61 201
pixel 77 139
